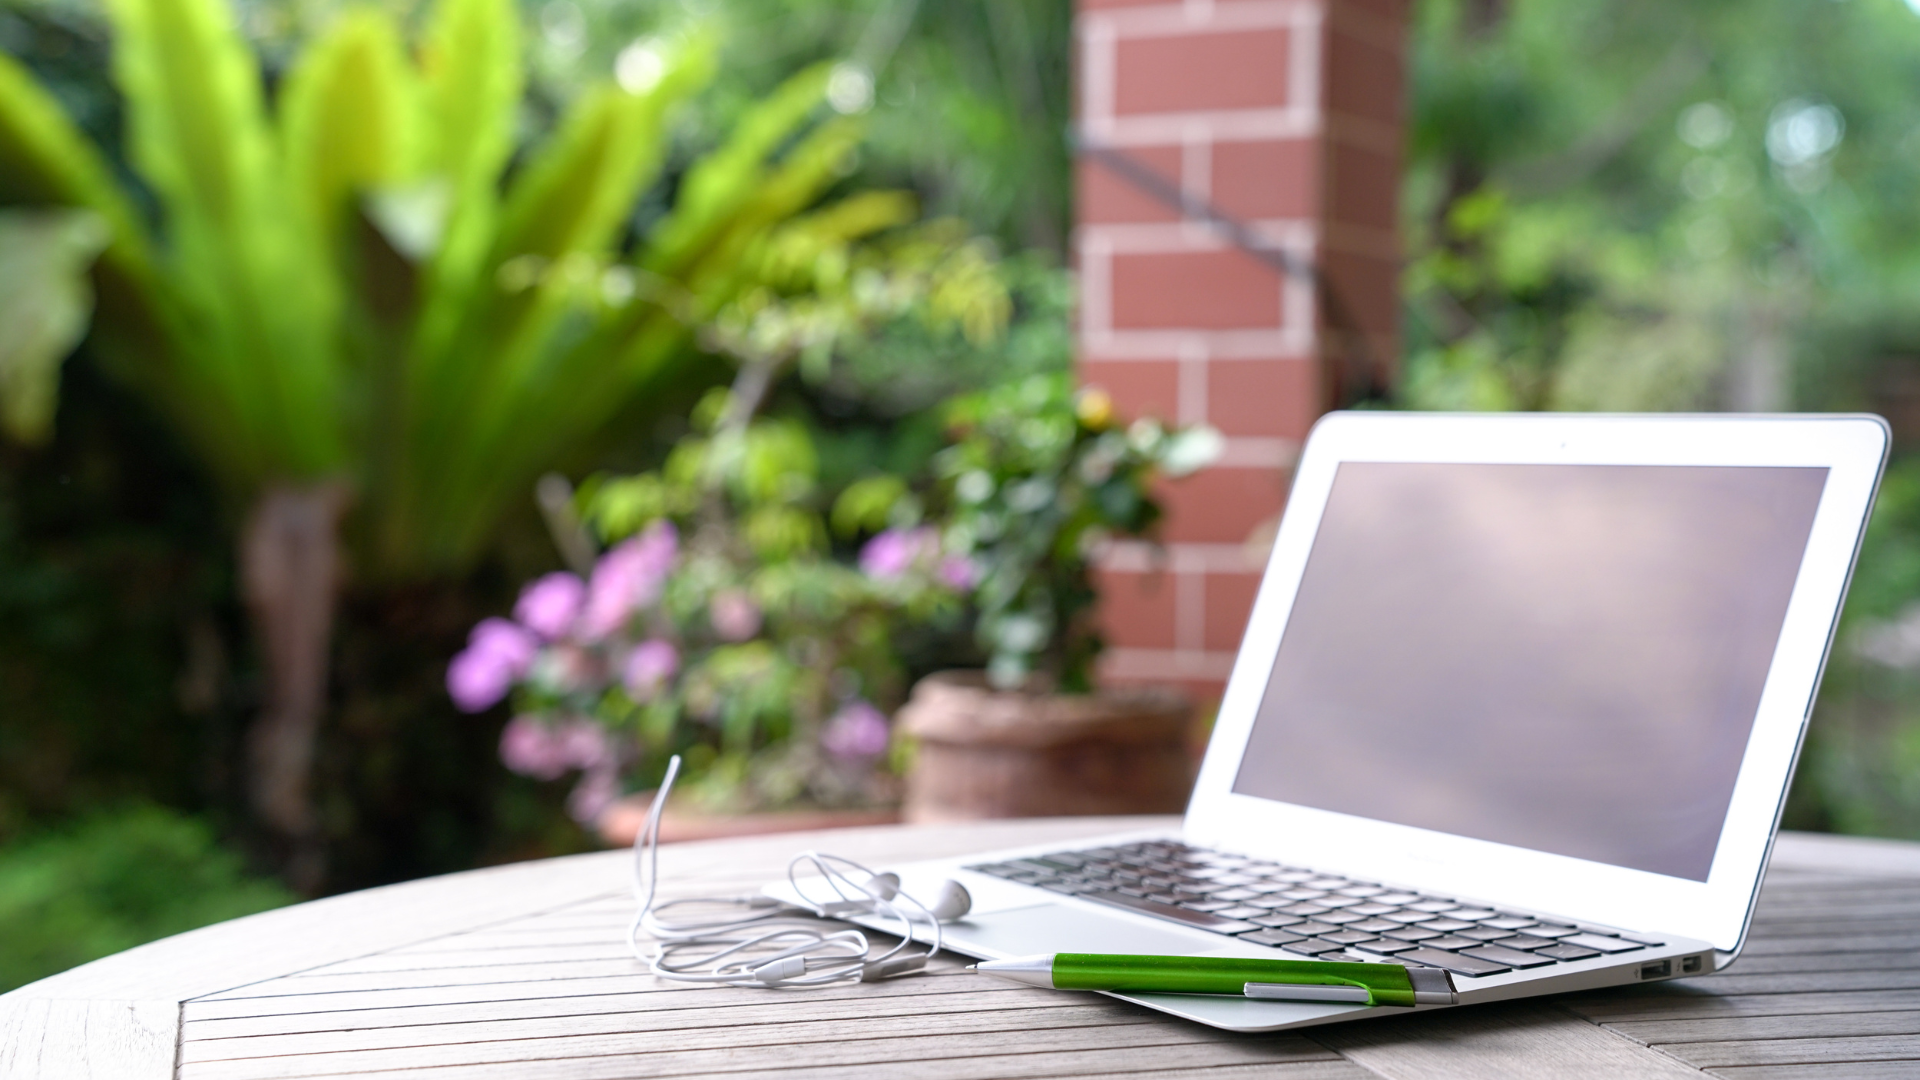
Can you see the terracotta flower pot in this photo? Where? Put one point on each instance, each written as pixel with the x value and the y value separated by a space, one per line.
pixel 986 753
pixel 622 822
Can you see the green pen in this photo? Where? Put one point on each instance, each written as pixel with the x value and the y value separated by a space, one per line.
pixel 1278 980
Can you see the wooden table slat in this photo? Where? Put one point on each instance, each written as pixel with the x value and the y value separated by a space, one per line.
pixel 523 972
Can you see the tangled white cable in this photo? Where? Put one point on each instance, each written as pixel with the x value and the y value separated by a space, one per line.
pixel 762 941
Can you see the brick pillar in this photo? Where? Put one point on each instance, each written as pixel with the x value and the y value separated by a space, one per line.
pixel 1284 115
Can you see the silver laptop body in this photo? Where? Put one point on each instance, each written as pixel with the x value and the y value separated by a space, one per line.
pixel 1520 697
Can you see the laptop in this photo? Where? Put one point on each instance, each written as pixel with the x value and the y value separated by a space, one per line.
pixel 1520 698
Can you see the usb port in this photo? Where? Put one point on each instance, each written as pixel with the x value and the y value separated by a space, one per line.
pixel 1691 965
pixel 1658 970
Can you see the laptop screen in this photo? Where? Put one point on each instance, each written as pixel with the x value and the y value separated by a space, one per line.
pixel 1566 658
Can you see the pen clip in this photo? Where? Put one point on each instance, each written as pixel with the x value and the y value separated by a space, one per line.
pixel 1354 995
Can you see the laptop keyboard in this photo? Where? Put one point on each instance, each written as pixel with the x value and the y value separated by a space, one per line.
pixel 1307 913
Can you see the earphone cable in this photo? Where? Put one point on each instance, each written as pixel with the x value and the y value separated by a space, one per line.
pixel 772 944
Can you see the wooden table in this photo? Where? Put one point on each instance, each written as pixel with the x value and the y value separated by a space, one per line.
pixel 520 971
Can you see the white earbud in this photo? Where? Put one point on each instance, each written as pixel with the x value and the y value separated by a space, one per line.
pixel 732 948
pixel 952 903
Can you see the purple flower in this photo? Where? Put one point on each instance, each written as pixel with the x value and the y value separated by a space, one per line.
pixel 531 748
pixel 895 551
pixel 649 666
pixel 734 615
pixel 597 790
pixel 958 572
pixel 497 653
pixel 545 751
pixel 584 745
pixel 549 605
pixel 858 730
pixel 628 578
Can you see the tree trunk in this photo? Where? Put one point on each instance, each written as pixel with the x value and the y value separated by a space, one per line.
pixel 290 568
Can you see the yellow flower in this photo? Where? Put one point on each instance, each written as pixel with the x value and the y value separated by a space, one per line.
pixel 1094 408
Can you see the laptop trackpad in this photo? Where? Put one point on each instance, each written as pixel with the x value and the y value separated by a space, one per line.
pixel 1047 928
pixel 1051 928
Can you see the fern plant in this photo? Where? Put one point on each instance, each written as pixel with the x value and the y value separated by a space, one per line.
pixel 366 326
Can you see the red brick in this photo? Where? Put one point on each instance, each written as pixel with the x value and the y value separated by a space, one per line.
pixel 1204 290
pixel 1229 603
pixel 1221 505
pixel 1136 610
pixel 1363 79
pixel 1201 72
pixel 1393 11
pixel 1363 187
pixel 1269 178
pixel 1107 198
pixel 1138 387
pixel 1367 287
pixel 1263 398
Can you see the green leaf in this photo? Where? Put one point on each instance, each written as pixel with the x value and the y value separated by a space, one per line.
pixel 255 296
pixel 498 380
pixel 471 77
pixel 45 300
pixel 45 161
pixel 348 119
pixel 723 181
pixel 867 504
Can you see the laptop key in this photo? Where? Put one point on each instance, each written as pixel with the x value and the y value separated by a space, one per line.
pixel 1304 908
pixel 1349 937
pixel 1372 909
pixel 1275 920
pixel 1397 898
pixel 1550 930
pixel 1275 938
pixel 1374 926
pixel 1404 916
pixel 1387 947
pixel 1447 924
pixel 1525 941
pixel 1483 934
pixel 1508 922
pixel 1603 944
pixel 1472 914
pixel 1409 933
pixel 1241 913
pixel 1312 947
pixel 1312 927
pixel 1567 952
pixel 1434 906
pixel 1197 919
pixel 1340 918
pixel 1337 901
pixel 1458 963
pixel 1451 943
pixel 1205 905
pixel 1510 957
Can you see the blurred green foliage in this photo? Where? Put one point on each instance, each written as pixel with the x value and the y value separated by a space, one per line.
pixel 114 879
pixel 338 287
pixel 1661 206
pixel 970 99
pixel 1692 206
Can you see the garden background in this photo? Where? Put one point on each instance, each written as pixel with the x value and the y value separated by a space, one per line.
pixel 1701 206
